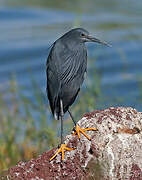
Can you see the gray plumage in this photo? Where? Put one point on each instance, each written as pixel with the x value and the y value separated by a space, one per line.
pixel 66 66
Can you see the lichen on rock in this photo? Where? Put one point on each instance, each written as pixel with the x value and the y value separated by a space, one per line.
pixel 114 152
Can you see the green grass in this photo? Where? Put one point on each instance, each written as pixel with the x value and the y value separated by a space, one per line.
pixel 22 136
pixel 26 125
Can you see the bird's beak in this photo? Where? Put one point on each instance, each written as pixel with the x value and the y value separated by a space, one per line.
pixel 93 39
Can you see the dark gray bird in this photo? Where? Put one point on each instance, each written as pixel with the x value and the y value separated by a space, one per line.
pixel 66 66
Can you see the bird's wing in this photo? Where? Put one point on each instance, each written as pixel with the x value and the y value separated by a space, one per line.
pixel 65 69
pixel 53 83
pixel 74 63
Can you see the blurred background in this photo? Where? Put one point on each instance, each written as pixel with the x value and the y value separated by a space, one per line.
pixel 27 29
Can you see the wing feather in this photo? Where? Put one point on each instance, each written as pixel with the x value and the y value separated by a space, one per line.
pixel 65 74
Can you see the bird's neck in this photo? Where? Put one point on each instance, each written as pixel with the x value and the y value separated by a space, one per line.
pixel 75 46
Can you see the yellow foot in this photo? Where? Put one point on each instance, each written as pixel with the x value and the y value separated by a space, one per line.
pixel 79 130
pixel 61 149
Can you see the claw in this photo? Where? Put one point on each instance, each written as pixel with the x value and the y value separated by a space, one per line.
pixel 61 149
pixel 79 130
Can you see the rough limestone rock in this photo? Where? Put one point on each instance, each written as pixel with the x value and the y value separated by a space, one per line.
pixel 114 153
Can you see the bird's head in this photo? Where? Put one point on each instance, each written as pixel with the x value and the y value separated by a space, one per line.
pixel 82 35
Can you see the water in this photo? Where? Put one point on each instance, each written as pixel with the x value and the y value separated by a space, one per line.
pixel 28 28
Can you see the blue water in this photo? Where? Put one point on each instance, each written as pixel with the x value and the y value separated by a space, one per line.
pixel 26 32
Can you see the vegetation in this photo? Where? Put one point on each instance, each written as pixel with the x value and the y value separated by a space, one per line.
pixel 22 134
pixel 26 128
pixel 26 124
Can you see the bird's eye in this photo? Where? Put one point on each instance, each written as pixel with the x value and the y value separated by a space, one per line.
pixel 83 35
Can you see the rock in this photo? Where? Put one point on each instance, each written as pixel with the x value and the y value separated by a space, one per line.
pixel 114 153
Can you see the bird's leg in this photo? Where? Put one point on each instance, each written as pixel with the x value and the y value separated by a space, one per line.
pixel 62 118
pixel 78 130
pixel 71 117
pixel 62 146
